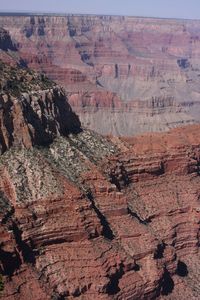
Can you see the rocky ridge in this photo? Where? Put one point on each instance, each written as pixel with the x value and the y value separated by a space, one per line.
pixel 33 110
pixel 89 217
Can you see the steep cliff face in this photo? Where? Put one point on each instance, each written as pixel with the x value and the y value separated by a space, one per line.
pixel 142 62
pixel 33 110
pixel 83 216
pixel 5 41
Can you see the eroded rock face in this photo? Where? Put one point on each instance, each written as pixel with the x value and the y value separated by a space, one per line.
pixel 93 218
pixel 147 68
pixel 33 110
pixel 88 217
pixel 5 41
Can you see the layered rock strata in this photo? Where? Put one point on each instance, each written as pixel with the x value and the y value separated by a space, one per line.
pixel 124 75
pixel 33 110
pixel 88 217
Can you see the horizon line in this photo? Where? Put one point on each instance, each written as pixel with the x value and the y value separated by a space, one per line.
pixel 61 14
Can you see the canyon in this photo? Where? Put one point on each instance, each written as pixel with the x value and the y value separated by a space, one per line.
pixel 99 158
pixel 122 75
pixel 84 216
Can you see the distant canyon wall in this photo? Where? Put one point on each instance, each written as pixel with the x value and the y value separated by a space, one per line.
pixel 123 75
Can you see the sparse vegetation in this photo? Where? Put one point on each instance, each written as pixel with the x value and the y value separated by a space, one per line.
pixel 15 80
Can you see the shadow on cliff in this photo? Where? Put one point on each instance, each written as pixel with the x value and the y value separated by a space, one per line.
pixel 36 121
pixel 182 269
pixel 24 248
pixel 45 120
pixel 9 261
pixel 167 284
pixel 7 121
pixel 69 122
pixel 57 118
pixel 106 230
pixel 6 42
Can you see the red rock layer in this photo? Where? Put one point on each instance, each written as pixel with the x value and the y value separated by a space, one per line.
pixel 33 110
pixel 81 219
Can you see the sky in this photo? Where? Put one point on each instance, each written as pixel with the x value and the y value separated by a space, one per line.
pixel 189 9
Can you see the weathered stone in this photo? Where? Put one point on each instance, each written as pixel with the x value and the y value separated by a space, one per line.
pixel 123 75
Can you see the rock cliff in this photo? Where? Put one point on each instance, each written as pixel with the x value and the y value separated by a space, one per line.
pixel 88 217
pixel 147 69
pixel 33 110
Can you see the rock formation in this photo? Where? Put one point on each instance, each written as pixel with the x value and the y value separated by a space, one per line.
pixel 33 110
pixel 123 75
pixel 88 217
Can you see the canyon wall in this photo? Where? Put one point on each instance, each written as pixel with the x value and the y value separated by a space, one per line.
pixel 33 110
pixel 88 217
pixel 122 75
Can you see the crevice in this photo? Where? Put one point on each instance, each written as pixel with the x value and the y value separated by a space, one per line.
pixel 24 248
pixel 167 283
pixel 113 286
pixel 107 231
pixel 3 146
pixel 159 251
pixel 56 241
pixel 116 71
pixel 41 26
pixel 129 69
pixel 135 215
pixel 71 28
pixel 98 83
pixel 181 269
pixel 10 262
pixel 136 267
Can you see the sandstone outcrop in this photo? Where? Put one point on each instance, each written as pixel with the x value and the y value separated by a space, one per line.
pixel 89 217
pixel 148 67
pixel 33 110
